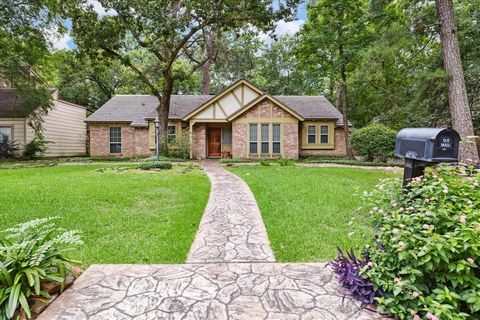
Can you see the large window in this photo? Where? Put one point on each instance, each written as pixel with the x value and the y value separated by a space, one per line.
pixel 323 134
pixel 276 139
pixel 7 131
pixel 253 138
pixel 171 133
pixel 227 136
pixel 312 134
pixel 115 140
pixel 265 138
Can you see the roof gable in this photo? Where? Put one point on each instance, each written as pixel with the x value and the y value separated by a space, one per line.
pixel 226 103
pixel 260 99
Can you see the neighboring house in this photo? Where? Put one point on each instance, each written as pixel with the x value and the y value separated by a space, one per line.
pixel 64 125
pixel 242 121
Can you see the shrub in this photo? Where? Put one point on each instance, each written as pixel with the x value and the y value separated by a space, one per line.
pixel 155 165
pixel 264 163
pixel 285 162
pixel 31 253
pixel 8 148
pixel 35 148
pixel 180 147
pixel 376 142
pixel 427 253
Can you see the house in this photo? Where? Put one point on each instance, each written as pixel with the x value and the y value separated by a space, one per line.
pixel 242 121
pixel 64 124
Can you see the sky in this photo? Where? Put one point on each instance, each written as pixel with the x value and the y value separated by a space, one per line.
pixel 64 41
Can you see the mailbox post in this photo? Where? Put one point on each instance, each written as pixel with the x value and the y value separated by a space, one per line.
pixel 424 146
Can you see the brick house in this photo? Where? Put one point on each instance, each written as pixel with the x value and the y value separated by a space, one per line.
pixel 242 122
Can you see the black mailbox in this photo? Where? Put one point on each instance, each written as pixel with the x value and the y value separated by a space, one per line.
pixel 423 146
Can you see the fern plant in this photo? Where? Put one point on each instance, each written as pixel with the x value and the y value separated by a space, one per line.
pixel 31 253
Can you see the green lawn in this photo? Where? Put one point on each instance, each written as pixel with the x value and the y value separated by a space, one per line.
pixel 126 216
pixel 307 210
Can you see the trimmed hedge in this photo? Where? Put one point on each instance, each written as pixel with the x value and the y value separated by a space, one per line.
pixel 155 165
pixel 376 142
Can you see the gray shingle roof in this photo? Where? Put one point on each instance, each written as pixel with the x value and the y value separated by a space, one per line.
pixel 135 108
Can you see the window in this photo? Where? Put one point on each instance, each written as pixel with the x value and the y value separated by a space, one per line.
pixel 312 134
pixel 265 138
pixel 171 133
pixel 115 140
pixel 323 134
pixel 253 138
pixel 227 136
pixel 276 139
pixel 7 131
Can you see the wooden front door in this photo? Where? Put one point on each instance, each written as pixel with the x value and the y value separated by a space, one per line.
pixel 214 142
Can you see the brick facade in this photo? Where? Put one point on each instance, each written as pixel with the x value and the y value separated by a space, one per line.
pixel 199 141
pixel 239 140
pixel 266 112
pixel 134 141
pixel 340 149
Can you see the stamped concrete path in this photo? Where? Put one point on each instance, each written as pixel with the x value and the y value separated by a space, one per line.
pixel 229 274
pixel 232 228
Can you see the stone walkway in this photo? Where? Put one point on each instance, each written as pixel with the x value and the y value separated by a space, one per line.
pixel 232 228
pixel 229 274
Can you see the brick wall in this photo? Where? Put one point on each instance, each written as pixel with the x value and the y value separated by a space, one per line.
pixel 134 141
pixel 199 143
pixel 340 149
pixel 239 140
pixel 263 111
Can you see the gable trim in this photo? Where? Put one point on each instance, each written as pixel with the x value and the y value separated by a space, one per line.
pixel 259 99
pixel 222 94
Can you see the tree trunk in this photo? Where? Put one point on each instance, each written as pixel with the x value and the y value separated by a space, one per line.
pixel 457 92
pixel 346 130
pixel 206 66
pixel 338 96
pixel 163 110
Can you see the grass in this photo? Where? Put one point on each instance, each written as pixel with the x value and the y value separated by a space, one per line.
pixel 307 211
pixel 126 215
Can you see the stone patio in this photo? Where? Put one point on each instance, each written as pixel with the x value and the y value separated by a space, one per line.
pixel 230 274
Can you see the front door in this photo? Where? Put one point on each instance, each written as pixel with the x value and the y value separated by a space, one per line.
pixel 214 142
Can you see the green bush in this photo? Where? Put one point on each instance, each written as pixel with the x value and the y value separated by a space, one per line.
pixel 426 257
pixel 375 142
pixel 155 165
pixel 31 253
pixel 285 162
pixel 8 148
pixel 264 163
pixel 35 148
pixel 180 147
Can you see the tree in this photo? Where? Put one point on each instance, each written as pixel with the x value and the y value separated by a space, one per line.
pixel 457 92
pixel 331 40
pixel 25 28
pixel 169 33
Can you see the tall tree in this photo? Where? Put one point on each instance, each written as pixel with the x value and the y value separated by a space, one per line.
pixel 168 32
pixel 457 92
pixel 25 32
pixel 331 40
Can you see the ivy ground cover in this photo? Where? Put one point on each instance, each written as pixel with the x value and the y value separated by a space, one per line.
pixel 309 212
pixel 125 215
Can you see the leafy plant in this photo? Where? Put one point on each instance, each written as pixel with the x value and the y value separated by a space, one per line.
pixel 285 162
pixel 264 163
pixel 349 269
pixel 376 142
pixel 8 148
pixel 35 148
pixel 31 253
pixel 180 147
pixel 155 165
pixel 426 257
